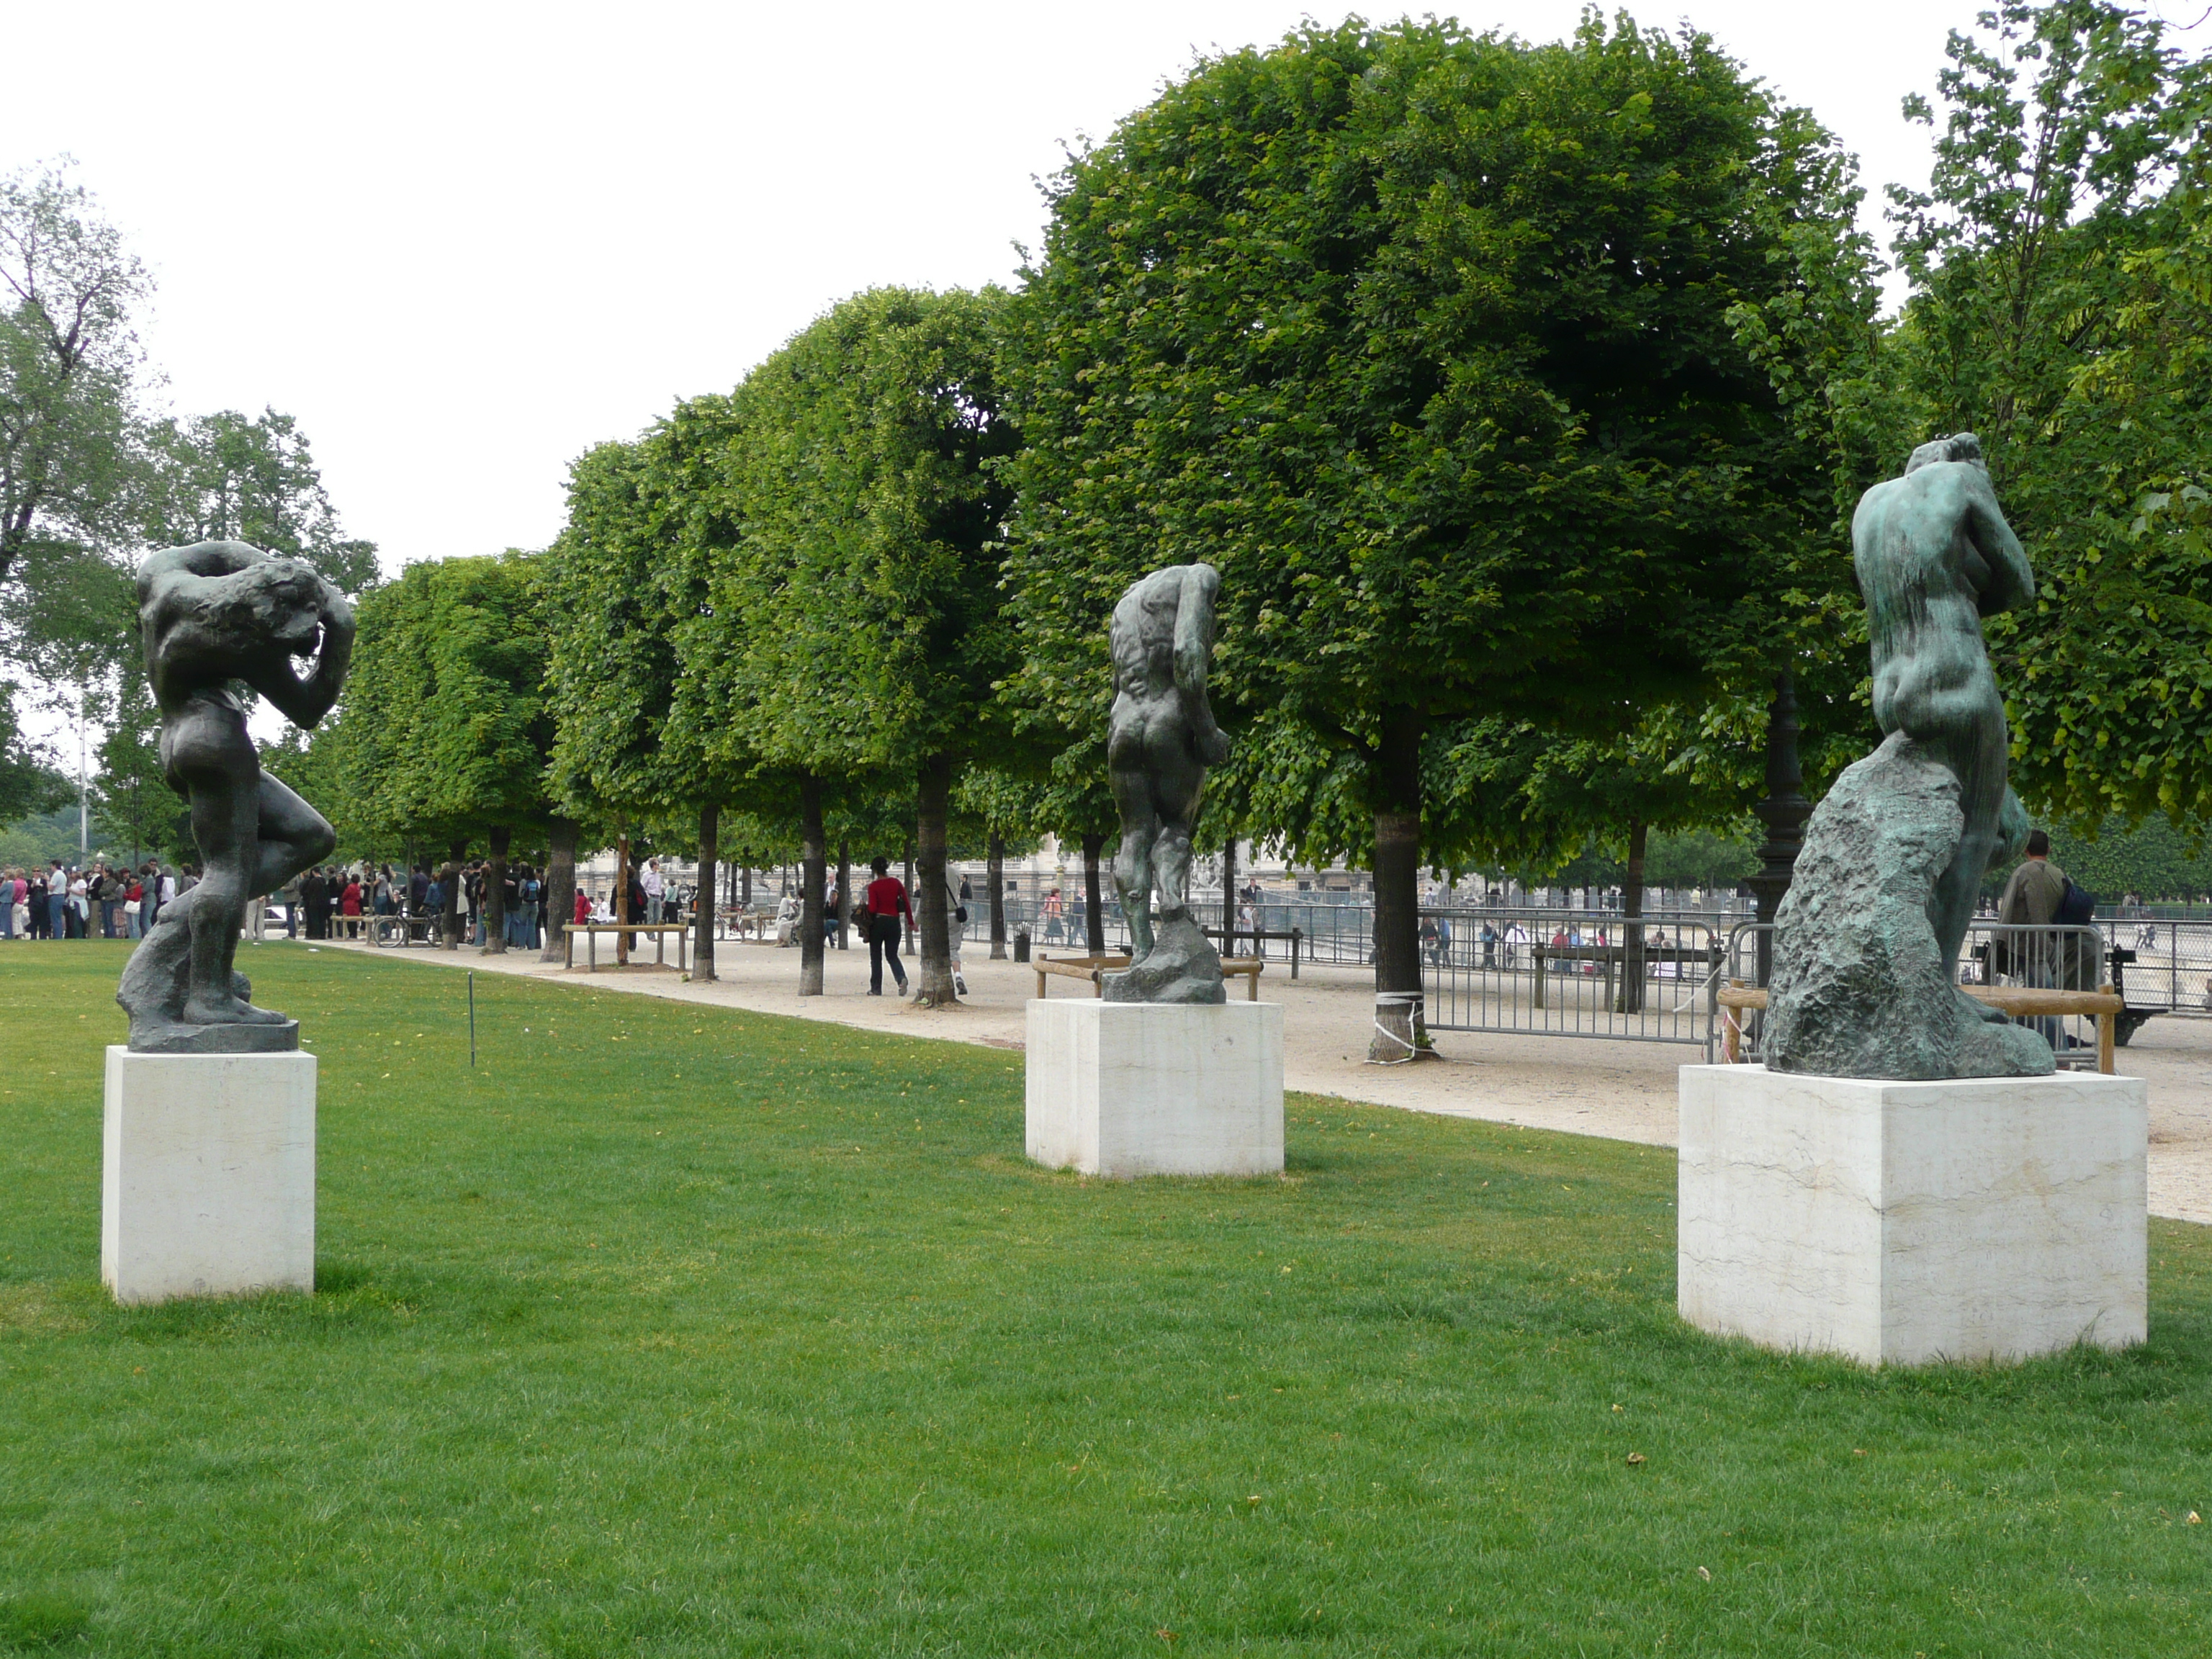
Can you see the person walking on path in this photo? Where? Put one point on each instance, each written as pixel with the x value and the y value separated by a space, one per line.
pixel 349 906
pixel 886 901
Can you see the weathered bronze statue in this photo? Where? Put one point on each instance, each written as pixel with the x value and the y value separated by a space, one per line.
pixel 1867 942
pixel 210 615
pixel 1160 739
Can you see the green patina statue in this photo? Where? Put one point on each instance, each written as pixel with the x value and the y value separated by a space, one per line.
pixel 1934 556
pixel 211 616
pixel 1160 739
pixel 1867 942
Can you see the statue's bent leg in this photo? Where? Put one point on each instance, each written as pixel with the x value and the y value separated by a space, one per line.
pixel 1178 782
pixel 226 817
pixel 292 837
pixel 1133 862
pixel 1975 748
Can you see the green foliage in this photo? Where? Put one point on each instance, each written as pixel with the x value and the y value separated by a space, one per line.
pixel 612 665
pixel 69 363
pixel 35 841
pixel 225 477
pixel 29 781
pixel 443 729
pixel 1473 366
pixel 857 595
pixel 2060 309
pixel 2153 860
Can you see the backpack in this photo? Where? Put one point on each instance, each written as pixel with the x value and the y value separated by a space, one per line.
pixel 2077 909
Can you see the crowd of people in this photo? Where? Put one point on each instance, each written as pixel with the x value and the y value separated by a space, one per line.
pixel 101 900
pixel 113 900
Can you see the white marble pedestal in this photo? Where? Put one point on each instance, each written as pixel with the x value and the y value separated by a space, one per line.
pixel 1902 1223
pixel 1143 1089
pixel 208 1175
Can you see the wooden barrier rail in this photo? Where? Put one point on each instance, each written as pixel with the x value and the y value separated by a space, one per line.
pixel 1094 969
pixel 2022 1001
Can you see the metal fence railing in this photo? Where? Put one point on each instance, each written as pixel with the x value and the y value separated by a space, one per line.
pixel 1995 954
pixel 1550 973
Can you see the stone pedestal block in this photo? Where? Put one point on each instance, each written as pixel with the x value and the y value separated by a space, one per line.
pixel 1141 1089
pixel 1905 1222
pixel 207 1176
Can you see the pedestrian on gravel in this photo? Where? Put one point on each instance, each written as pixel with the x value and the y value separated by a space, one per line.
pixel 886 901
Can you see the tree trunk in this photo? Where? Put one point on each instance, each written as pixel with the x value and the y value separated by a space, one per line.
pixel 813 872
pixel 706 890
pixel 1395 779
pixel 452 921
pixel 844 892
pixel 560 889
pixel 1631 929
pixel 622 898
pixel 494 943
pixel 998 868
pixel 1229 898
pixel 934 986
pixel 912 926
pixel 1094 916
pixel 745 888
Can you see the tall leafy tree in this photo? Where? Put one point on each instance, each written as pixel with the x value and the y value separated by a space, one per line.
pixel 70 359
pixel 444 729
pixel 226 477
pixel 2061 307
pixel 1439 346
pixel 860 577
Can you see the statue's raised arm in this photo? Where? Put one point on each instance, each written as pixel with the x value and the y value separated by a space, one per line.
pixel 210 615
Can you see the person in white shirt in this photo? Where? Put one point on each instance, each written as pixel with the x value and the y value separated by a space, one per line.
pixel 651 882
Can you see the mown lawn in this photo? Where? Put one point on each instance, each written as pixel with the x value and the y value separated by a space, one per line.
pixel 673 1332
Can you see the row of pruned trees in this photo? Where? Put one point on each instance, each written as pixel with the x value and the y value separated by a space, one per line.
pixel 1520 393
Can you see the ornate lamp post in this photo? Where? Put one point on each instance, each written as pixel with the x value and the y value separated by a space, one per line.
pixel 1784 812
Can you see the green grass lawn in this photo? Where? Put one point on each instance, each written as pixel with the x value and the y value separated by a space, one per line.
pixel 674 1332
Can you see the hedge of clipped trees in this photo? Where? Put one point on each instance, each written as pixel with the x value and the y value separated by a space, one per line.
pixel 1521 393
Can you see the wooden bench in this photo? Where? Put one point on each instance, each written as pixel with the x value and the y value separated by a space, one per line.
pixel 592 930
pixel 2022 1002
pixel 1260 936
pixel 1095 968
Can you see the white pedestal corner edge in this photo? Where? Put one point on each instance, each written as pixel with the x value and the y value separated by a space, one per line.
pixel 207 1175
pixel 1905 1223
pixel 1125 1089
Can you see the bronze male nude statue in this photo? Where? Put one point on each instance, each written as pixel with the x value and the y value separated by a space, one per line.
pixel 210 615
pixel 1934 556
pixel 1160 739
pixel 1866 943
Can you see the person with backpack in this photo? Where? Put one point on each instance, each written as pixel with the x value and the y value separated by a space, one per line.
pixel 886 900
pixel 2040 894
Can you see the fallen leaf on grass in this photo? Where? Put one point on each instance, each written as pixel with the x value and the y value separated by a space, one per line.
pixel 2195 1519
pixel 1703 1574
pixel 1634 1457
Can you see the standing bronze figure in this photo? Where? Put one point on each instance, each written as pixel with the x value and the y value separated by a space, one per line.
pixel 1866 944
pixel 210 615
pixel 1160 739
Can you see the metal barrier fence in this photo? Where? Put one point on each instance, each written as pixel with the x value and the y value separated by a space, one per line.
pixel 1548 973
pixel 1995 954
pixel 2161 966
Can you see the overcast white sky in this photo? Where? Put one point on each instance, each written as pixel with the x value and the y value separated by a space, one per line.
pixel 461 242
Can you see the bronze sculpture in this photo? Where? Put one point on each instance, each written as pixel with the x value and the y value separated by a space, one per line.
pixel 1866 943
pixel 210 615
pixel 1161 739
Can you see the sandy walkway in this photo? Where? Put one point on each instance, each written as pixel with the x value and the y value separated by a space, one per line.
pixel 1624 1091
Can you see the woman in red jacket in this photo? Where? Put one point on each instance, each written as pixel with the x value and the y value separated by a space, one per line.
pixel 887 902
